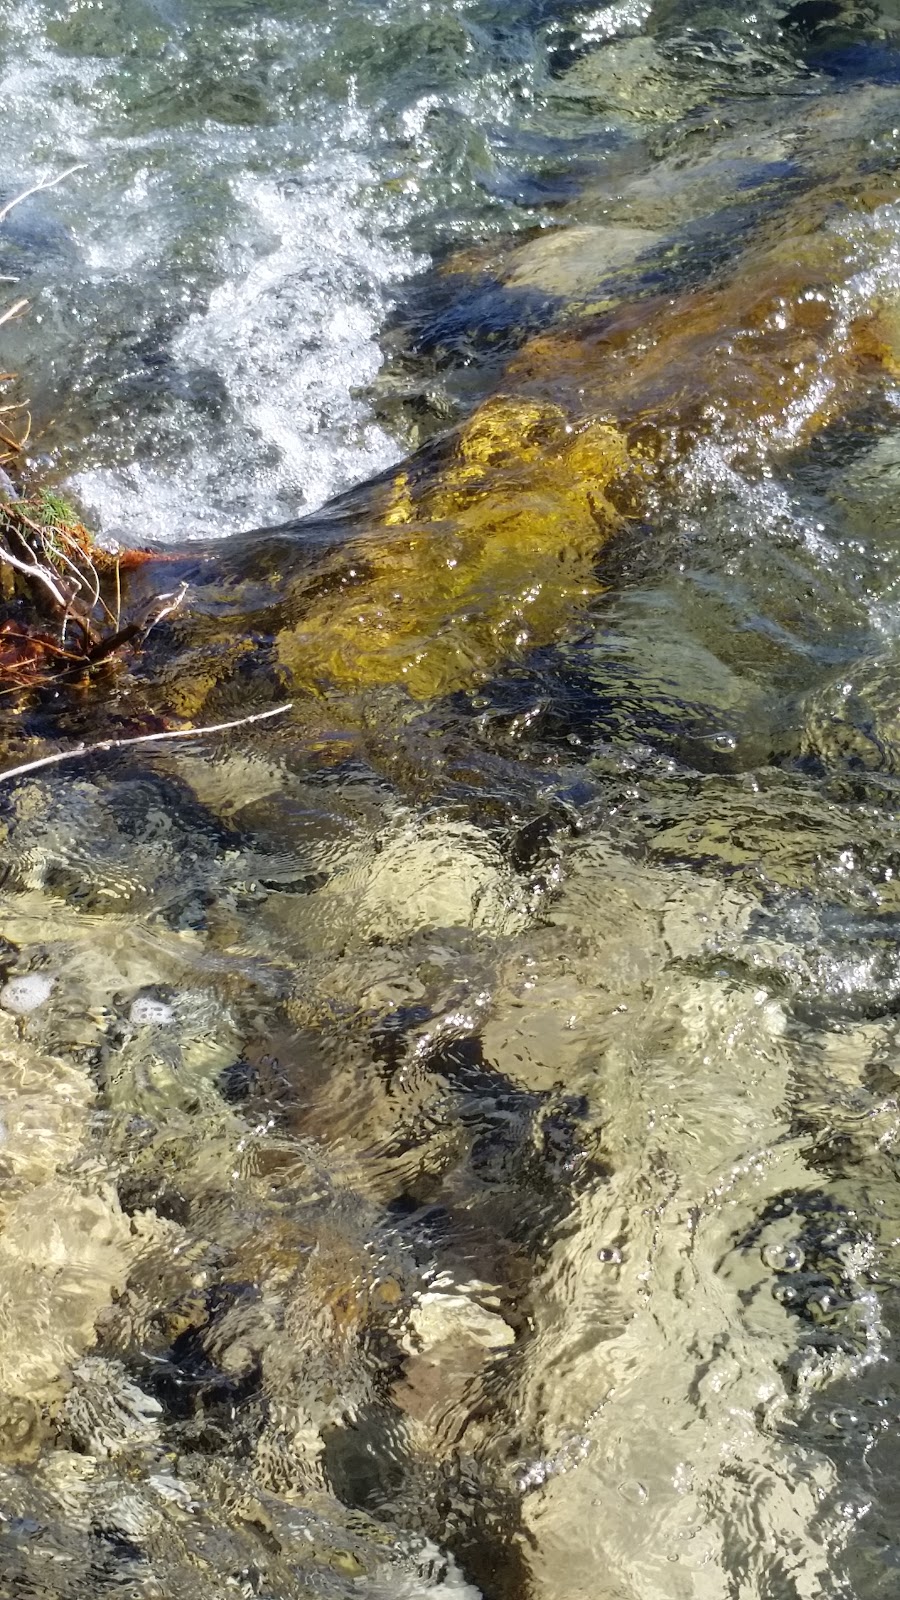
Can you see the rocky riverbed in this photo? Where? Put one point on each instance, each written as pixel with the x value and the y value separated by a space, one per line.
pixel 448 1129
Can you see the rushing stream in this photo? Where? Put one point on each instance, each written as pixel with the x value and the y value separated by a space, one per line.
pixel 449 1131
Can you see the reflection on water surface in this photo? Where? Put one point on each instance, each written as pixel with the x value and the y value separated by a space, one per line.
pixel 448 1136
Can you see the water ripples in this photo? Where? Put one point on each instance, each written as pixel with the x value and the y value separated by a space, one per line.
pixel 462 1153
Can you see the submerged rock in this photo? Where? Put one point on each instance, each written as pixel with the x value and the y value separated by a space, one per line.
pixel 501 542
pixel 634 77
pixel 571 261
pixel 176 1531
pixel 485 544
pixel 105 1413
pixel 451 1339
pixel 853 722
pixel 417 875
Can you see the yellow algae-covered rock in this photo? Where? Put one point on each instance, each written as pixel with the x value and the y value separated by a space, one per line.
pixel 492 551
pixel 761 360
pixel 488 559
pixel 483 546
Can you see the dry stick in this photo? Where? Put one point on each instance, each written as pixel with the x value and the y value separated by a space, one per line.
pixel 36 188
pixel 12 311
pixel 141 738
pixel 43 183
pixel 32 570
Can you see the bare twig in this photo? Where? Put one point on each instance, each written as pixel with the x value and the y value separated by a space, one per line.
pixel 43 183
pixel 174 598
pixel 31 569
pixel 141 738
pixel 13 310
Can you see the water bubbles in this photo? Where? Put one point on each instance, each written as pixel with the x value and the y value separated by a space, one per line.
pixel 853 1510
pixel 823 1303
pixel 26 993
pixel 783 1257
pixel 610 1255
pixel 854 1255
pixel 147 1012
pixel 844 1420
pixel 633 1492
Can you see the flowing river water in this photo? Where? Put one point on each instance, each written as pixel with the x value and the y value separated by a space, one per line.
pixel 449 1131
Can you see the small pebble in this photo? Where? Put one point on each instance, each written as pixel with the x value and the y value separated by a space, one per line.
pixel 26 993
pixel 154 1013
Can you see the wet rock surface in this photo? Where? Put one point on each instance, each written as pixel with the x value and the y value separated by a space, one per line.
pixel 448 1133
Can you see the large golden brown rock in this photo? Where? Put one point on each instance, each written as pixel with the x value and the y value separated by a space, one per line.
pixel 472 567
pixel 495 553
pixel 485 545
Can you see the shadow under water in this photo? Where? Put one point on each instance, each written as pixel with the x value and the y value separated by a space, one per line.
pixel 448 1134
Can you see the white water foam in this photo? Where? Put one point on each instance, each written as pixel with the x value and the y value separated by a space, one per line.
pixel 292 334
pixel 287 290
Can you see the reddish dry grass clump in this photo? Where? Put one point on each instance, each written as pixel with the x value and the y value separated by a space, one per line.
pixel 61 595
pixel 61 608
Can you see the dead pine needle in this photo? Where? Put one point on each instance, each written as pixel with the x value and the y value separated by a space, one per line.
pixel 141 738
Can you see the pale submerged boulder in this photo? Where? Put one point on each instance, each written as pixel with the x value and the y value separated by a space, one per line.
pixel 571 261
pixel 443 874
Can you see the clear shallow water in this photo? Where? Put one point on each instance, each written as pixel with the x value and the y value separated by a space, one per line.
pixel 257 185
pixel 449 1144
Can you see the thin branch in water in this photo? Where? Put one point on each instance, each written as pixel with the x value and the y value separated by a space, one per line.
pixel 175 598
pixel 32 570
pixel 11 442
pixel 43 183
pixel 142 738
pixel 80 581
pixel 13 310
